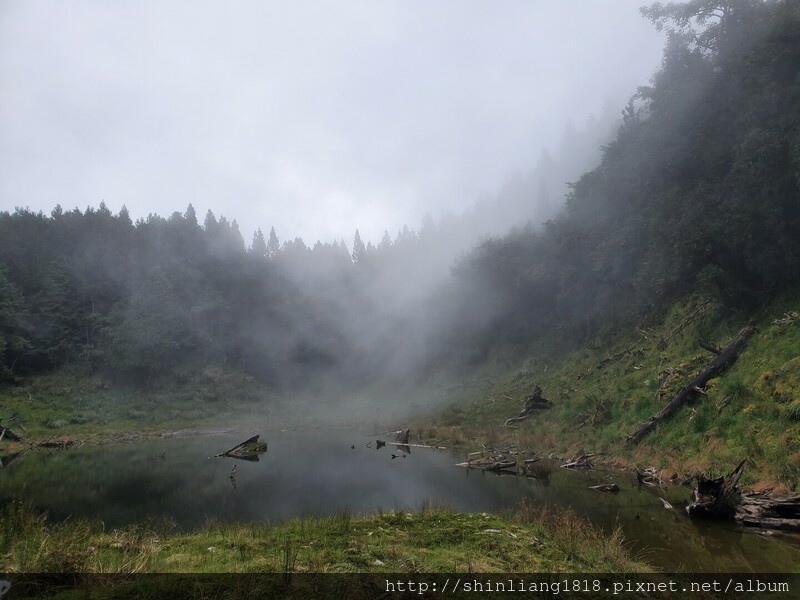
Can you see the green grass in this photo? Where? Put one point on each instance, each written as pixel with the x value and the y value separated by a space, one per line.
pixel 70 405
pixel 750 411
pixel 431 540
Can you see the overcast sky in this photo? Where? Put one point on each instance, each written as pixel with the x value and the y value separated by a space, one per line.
pixel 312 117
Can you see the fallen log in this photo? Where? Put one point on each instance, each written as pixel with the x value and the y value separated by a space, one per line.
pixel 401 441
pixel 498 460
pixel 717 497
pixel 769 512
pixel 721 498
pixel 771 523
pixel 488 464
pixel 247 450
pixel 6 433
pixel 55 444
pixel 583 461
pixel 532 403
pixel 608 488
pixel 724 359
pixel 402 437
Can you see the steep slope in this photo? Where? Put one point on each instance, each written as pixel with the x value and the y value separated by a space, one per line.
pixel 601 394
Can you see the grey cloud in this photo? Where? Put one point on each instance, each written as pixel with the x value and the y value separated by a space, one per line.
pixel 313 117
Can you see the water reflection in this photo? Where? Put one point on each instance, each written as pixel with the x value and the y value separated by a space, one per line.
pixel 320 473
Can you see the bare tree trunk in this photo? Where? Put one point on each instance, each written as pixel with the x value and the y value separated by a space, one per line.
pixel 717 497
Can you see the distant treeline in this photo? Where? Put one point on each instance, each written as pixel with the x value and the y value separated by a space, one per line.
pixel 698 192
pixel 170 296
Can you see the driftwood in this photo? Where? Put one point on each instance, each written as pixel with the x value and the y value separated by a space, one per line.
pixel 501 461
pixel 8 434
pixel 580 461
pixel 769 512
pixel 527 468
pixel 402 437
pixel 650 477
pixel 721 498
pixel 532 403
pixel 401 442
pixel 717 497
pixel 500 465
pixel 56 444
pixel 247 450
pixel 724 359
pixel 611 488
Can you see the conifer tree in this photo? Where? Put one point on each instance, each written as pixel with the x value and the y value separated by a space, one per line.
pixel 273 244
pixel 259 245
pixel 359 250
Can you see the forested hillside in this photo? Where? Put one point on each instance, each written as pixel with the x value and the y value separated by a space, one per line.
pixel 699 192
pixel 165 297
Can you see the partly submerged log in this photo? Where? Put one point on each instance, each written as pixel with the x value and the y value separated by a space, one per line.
pixel 247 450
pixel 724 359
pixel 717 497
pixel 581 461
pixel 505 461
pixel 721 498
pixel 769 512
pixel 402 437
pixel 532 403
pixel 401 441
pixel 490 464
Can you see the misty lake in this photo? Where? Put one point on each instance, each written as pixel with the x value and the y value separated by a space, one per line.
pixel 321 472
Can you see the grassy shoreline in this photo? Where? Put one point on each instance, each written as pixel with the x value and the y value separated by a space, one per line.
pixel 430 540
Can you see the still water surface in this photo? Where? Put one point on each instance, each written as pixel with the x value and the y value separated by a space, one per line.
pixel 318 473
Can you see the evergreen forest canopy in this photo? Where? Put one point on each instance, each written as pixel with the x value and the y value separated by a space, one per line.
pixel 698 192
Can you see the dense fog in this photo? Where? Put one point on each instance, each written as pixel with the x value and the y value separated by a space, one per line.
pixel 335 197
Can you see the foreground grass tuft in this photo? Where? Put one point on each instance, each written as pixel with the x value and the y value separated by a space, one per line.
pixel 433 539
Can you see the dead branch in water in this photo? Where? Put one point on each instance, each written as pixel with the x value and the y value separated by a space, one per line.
pixel 247 450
